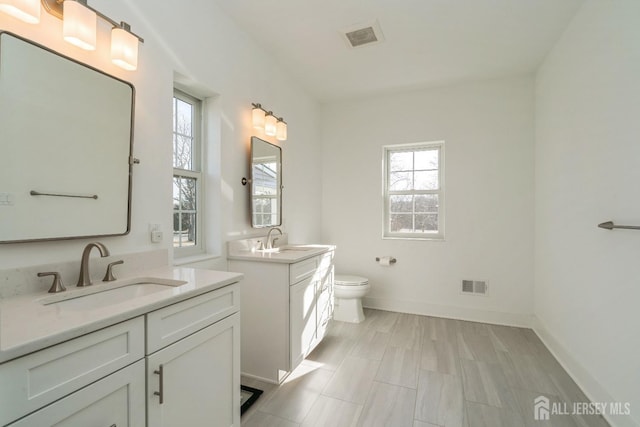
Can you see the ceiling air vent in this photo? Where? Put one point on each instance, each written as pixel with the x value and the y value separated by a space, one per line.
pixel 474 287
pixel 364 34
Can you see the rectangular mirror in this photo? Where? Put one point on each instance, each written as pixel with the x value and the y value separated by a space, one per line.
pixel 65 146
pixel 266 184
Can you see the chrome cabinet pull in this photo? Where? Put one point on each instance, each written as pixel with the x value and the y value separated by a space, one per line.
pixel 160 372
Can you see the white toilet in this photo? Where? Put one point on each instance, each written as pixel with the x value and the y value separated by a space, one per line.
pixel 348 291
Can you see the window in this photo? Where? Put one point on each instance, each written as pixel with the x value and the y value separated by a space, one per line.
pixel 187 175
pixel 413 191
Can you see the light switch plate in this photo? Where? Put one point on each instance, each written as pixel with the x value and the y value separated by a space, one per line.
pixel 6 199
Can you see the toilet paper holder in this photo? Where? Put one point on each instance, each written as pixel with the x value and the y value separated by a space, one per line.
pixel 392 260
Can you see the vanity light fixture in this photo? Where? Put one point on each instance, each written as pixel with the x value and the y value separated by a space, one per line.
pixel 79 26
pixel 24 10
pixel 124 47
pixel 281 129
pixel 257 116
pixel 268 122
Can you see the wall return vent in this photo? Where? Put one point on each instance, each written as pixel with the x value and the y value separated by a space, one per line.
pixel 474 287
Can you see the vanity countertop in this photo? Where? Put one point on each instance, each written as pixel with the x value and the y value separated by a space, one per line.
pixel 28 325
pixel 288 254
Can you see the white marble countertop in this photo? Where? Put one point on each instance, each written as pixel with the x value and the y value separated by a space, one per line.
pixel 28 325
pixel 287 254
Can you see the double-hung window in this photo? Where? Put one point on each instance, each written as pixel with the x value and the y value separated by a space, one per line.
pixel 414 191
pixel 187 175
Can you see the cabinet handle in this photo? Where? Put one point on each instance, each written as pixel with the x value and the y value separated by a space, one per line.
pixel 113 425
pixel 160 393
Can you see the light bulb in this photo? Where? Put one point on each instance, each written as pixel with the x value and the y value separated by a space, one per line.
pixel 281 130
pixel 270 124
pixel 79 25
pixel 257 116
pixel 25 10
pixel 124 49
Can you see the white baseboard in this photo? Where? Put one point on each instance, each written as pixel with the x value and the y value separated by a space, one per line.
pixel 450 312
pixel 583 378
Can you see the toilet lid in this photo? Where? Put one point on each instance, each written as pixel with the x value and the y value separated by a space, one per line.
pixel 346 280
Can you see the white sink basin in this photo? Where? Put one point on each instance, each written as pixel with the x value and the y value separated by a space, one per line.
pixel 283 249
pixel 105 295
pixel 268 251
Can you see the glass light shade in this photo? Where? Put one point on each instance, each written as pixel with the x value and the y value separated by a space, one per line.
pixel 257 117
pixel 25 10
pixel 124 49
pixel 79 25
pixel 281 130
pixel 270 124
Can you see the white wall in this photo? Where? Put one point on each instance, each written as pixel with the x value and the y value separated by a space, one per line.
pixel 211 55
pixel 488 132
pixel 587 290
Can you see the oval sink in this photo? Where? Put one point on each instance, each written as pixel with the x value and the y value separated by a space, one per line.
pixel 283 249
pixel 268 251
pixel 105 295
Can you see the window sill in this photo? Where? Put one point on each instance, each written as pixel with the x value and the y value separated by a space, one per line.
pixel 430 239
pixel 194 258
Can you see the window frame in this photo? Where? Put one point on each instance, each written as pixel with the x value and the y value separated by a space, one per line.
pixel 198 173
pixel 387 193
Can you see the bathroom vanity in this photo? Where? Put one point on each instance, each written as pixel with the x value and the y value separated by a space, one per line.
pixel 287 302
pixel 160 348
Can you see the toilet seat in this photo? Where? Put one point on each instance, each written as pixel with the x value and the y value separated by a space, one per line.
pixel 348 280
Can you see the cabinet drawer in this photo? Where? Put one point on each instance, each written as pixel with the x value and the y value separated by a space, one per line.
pixel 172 323
pixel 35 380
pixel 117 400
pixel 303 269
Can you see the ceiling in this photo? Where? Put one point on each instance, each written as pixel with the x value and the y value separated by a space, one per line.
pixel 426 42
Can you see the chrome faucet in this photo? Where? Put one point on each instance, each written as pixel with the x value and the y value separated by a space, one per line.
pixel 85 278
pixel 269 241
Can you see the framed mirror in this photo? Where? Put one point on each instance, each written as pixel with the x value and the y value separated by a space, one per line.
pixel 65 146
pixel 266 184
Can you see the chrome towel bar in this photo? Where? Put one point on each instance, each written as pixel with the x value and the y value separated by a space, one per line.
pixel 609 225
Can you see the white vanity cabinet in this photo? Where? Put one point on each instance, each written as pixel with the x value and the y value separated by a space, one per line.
pixel 193 379
pixel 286 308
pixel 177 365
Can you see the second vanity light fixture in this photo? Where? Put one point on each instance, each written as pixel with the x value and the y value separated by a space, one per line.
pixel 267 121
pixel 79 26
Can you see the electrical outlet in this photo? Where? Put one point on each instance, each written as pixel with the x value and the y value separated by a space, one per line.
pixel 156 236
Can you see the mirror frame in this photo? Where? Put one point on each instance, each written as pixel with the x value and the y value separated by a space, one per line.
pixel 279 186
pixel 131 160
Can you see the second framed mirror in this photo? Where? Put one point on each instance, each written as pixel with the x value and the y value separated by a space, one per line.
pixel 266 184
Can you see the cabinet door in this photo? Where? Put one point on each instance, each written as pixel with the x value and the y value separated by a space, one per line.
pixel 303 319
pixel 116 400
pixel 196 381
pixel 325 303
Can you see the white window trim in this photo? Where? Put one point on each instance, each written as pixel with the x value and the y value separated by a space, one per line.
pixel 199 175
pixel 386 234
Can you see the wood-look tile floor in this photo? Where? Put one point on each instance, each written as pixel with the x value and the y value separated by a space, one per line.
pixel 398 369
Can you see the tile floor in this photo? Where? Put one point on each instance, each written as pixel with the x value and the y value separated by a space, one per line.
pixel 398 370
